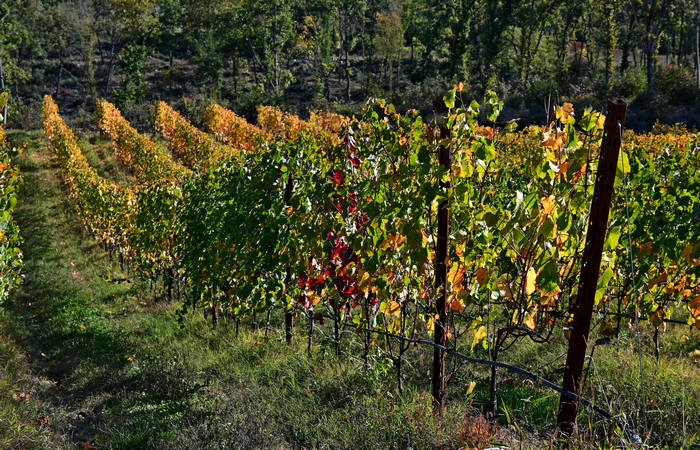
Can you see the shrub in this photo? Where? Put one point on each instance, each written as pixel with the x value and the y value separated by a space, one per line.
pixel 632 82
pixel 678 83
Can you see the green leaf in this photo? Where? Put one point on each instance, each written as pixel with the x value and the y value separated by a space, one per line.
pixel 485 151
pixel 603 284
pixel 450 98
pixel 613 239
pixel 548 278
pixel 623 164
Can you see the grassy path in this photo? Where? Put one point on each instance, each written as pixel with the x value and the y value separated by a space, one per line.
pixel 108 365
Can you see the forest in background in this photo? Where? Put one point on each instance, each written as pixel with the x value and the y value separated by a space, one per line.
pixel 336 54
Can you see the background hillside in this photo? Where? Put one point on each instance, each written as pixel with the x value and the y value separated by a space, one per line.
pixel 335 54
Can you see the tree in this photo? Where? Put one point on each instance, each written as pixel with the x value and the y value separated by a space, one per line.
pixel 350 25
pixel 388 39
pixel 531 20
pixel 319 38
pixel 609 36
pixel 697 43
pixel 138 19
pixel 13 33
pixel 653 12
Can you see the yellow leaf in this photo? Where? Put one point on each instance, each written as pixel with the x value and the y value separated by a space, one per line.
pixel 529 319
pixel 430 326
pixel 456 275
pixel 390 308
pixel 470 388
pixel 548 205
pixel 363 280
pixel 479 335
pixel 313 298
pixel 482 274
pixel 563 168
pixel 565 112
pixel 530 281
pixel 601 121
pixel 425 237
pixel 552 141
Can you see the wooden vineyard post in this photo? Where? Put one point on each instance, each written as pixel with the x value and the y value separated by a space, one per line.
pixel 288 316
pixel 438 373
pixel 590 268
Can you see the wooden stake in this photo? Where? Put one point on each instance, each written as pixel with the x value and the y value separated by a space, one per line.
pixel 592 255
pixel 439 334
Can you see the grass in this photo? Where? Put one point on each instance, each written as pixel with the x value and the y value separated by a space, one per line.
pixel 105 364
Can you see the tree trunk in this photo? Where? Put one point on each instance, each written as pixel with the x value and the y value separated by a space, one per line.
pixel 336 328
pixel 347 74
pixel 650 63
pixel 60 72
pixel 89 50
pixel 267 321
pixel 288 327
pixel 171 277
pixel 235 75
pixel 697 45
pixel 625 63
pixel 111 65
pixel 215 311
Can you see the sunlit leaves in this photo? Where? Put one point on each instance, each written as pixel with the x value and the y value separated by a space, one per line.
pixel 390 308
pixel 530 280
pixel 548 278
pixel 450 97
pixel 565 112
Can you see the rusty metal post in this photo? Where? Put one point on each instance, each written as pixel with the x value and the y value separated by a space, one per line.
pixel 590 269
